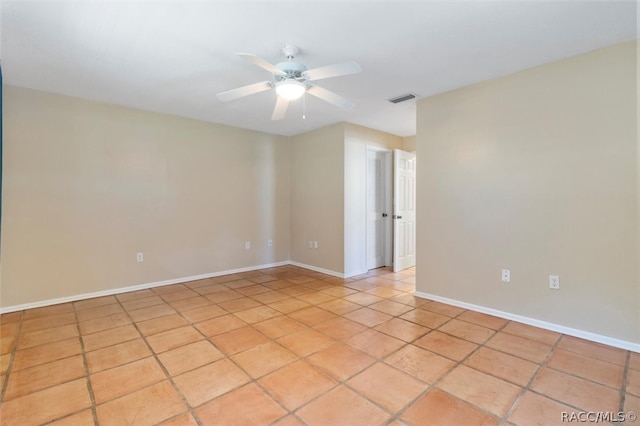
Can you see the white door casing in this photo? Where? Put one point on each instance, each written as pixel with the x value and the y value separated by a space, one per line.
pixel 404 215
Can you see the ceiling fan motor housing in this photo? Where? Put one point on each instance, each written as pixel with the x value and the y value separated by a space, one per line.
pixel 292 69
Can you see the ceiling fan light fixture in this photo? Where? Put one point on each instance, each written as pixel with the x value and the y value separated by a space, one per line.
pixel 290 89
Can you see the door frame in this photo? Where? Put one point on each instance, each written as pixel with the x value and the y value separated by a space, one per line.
pixel 387 194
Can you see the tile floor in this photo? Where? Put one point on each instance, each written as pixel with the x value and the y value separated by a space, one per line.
pixel 290 346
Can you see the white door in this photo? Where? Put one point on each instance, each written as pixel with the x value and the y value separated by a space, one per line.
pixel 376 214
pixel 404 205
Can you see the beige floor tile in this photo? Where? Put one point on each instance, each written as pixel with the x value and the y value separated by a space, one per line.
pixel 306 342
pixel 9 336
pixel 257 314
pixel 104 323
pixel 390 388
pixel 33 379
pixel 113 356
pixel 467 331
pixel 312 316
pixel 341 361
pixel 264 359
pixel 133 295
pixel 391 307
pixel 575 391
pixel 410 300
pixel 94 302
pixel 594 350
pixel 119 381
pixel 631 404
pixel 166 289
pixel 270 297
pixel 39 337
pixel 223 296
pixel 179 295
pixel 520 347
pixel 315 298
pixel 536 410
pixel 205 383
pixel 109 337
pixel 240 304
pixel 363 299
pixel 442 308
pixel 446 345
pixel 148 406
pixel 160 324
pixel 191 303
pixel 340 328
pixel 425 318
pixel 424 365
pixel 175 338
pixel 231 409
pixel 547 337
pixel 239 340
pixel 633 382
pixel 48 311
pixel 338 291
pixel 296 384
pixel 52 321
pixel 144 302
pixel 99 312
pixel 151 312
pixel 189 357
pixel 342 406
pixel 261 279
pixel 586 367
pixel 4 363
pixel 290 420
pixel 46 405
pixel 82 418
pixel 402 329
pixel 480 389
pixel 185 419
pixel 278 327
pixel 46 353
pixel 219 325
pixel 507 367
pixel 368 317
pixel 484 320
pixel 339 306
pixel 203 313
pixel 634 361
pixel 289 305
pixel 375 343
pixel 439 409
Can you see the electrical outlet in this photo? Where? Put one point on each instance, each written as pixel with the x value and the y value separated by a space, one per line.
pixel 506 276
pixel 315 244
pixel 140 257
pixel 270 243
pixel 554 282
pixel 247 245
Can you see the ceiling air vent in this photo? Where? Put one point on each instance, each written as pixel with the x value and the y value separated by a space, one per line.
pixel 403 98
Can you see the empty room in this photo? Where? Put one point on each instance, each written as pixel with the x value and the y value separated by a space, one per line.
pixel 319 213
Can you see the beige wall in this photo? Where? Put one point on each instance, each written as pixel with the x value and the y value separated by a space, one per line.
pixel 317 198
pixel 536 172
pixel 409 143
pixel 88 185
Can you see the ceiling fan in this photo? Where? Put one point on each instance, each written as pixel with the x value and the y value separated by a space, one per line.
pixel 291 80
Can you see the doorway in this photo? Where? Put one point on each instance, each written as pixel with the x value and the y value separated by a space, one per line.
pixel 379 207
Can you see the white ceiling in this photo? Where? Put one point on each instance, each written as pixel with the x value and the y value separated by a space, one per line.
pixel 174 56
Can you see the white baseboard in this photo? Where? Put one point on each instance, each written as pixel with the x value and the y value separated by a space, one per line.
pixel 316 269
pixel 598 338
pixel 119 290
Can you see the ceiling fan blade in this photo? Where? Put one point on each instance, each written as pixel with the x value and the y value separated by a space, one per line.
pixel 240 92
pixel 335 70
pixel 261 63
pixel 331 97
pixel 281 108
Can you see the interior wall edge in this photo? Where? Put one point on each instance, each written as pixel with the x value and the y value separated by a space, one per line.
pixel 583 334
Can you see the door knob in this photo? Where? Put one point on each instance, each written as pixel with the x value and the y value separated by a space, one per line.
pixel 397 217
pixel 384 215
